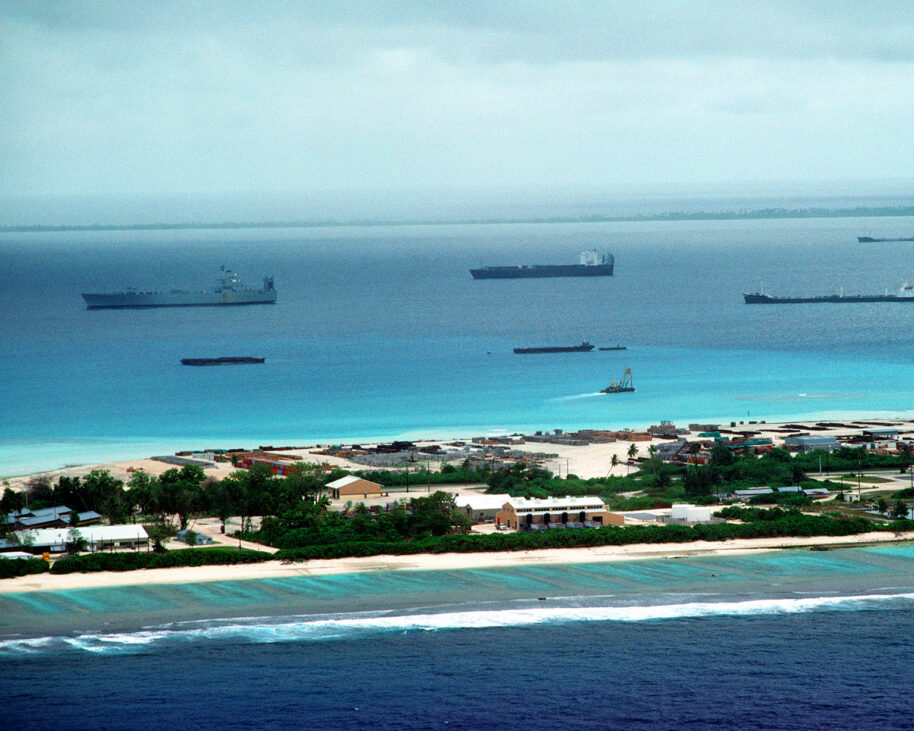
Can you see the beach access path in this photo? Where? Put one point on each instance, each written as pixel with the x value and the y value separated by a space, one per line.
pixel 436 562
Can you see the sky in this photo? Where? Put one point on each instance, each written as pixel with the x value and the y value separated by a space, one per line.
pixel 293 98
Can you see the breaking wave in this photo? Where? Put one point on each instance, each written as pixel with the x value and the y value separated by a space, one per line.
pixel 349 626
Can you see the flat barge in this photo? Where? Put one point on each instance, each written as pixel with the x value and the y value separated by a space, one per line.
pixel 235 360
pixel 584 347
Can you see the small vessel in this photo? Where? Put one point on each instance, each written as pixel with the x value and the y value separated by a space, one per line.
pixel 582 348
pixel 905 294
pixel 229 290
pixel 591 264
pixel 623 386
pixel 233 360
pixel 614 347
pixel 871 240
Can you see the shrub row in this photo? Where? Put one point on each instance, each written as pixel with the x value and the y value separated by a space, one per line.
pixel 789 524
pixel 181 557
pixel 10 567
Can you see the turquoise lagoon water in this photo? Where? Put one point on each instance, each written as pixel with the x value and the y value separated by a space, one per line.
pixel 381 332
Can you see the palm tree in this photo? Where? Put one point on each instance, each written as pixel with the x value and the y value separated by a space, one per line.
pixel 613 462
pixel 652 450
pixel 632 453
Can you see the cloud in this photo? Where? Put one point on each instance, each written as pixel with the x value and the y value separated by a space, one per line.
pixel 176 96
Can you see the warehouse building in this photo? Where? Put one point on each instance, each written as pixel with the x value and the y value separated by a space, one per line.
pixel 97 537
pixel 352 486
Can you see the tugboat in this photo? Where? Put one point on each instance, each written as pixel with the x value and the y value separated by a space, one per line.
pixel 624 386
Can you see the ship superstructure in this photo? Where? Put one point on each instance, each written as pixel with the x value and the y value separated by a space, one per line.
pixel 229 290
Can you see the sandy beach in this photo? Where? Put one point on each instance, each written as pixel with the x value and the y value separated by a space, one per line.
pixel 434 562
pixel 586 461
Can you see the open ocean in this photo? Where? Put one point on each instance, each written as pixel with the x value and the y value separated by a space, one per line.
pixel 381 332
pixel 787 640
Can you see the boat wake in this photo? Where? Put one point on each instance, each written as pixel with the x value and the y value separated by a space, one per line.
pixel 576 396
pixel 313 628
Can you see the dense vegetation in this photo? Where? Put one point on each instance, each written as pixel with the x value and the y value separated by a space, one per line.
pixel 449 475
pixel 10 567
pixel 134 560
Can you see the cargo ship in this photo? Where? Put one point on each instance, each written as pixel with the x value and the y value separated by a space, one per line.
pixel 582 348
pixel 591 264
pixel 871 240
pixel 234 360
pixel 614 347
pixel 905 294
pixel 229 290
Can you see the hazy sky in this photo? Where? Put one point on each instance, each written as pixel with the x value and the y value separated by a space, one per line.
pixel 187 97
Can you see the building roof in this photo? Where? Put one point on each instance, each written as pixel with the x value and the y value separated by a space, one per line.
pixel 479 501
pixel 91 533
pixel 811 439
pixel 348 480
pixel 750 491
pixel 16 554
pixel 88 515
pixel 555 503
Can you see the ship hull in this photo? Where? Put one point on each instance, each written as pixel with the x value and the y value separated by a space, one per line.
pixel 558 349
pixel 234 360
pixel 871 240
pixel 764 299
pixel 145 300
pixel 541 271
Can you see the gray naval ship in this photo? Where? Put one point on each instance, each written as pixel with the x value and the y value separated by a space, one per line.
pixel 229 290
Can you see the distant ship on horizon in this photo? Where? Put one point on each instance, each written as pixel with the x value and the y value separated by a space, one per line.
pixel 229 290
pixel 905 294
pixel 584 347
pixel 592 264
pixel 871 240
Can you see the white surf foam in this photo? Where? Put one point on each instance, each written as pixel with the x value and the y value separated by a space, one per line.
pixel 305 628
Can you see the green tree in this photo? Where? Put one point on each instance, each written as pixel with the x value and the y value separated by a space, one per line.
pixel 613 462
pixel 900 509
pixel 75 540
pixel 882 506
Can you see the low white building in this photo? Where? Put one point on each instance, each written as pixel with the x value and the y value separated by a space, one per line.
pixel 97 537
pixel 481 508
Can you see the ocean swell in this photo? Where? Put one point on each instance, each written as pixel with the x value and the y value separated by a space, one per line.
pixel 311 628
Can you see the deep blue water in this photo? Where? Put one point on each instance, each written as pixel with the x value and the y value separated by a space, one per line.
pixel 831 670
pixel 380 331
pixel 792 640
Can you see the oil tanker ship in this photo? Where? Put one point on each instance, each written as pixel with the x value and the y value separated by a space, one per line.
pixel 229 290
pixel 905 294
pixel 591 264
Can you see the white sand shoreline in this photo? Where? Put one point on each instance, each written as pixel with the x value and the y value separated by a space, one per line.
pixel 436 562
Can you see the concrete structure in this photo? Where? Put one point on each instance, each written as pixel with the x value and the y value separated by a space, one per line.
pixel 481 508
pixel 97 537
pixel 807 443
pixel 352 486
pixel 685 514
pixel 556 512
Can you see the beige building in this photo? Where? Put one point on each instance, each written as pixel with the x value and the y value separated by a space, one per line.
pixel 523 513
pixel 352 486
